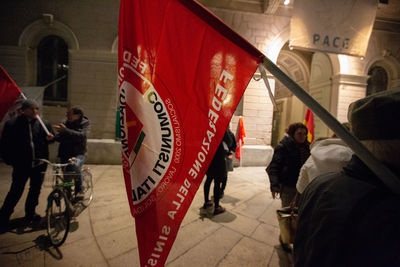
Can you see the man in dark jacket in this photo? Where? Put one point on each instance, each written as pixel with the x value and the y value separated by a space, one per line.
pixel 351 218
pixel 72 136
pixel 22 141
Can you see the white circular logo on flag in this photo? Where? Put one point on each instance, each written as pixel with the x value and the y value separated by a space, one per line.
pixel 151 141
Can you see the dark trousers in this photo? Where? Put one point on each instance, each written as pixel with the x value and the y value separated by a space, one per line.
pixel 223 183
pixel 287 195
pixel 229 168
pixel 20 176
pixel 76 169
pixel 217 189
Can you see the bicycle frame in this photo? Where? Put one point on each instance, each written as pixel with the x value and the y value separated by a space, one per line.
pixel 60 181
pixel 61 206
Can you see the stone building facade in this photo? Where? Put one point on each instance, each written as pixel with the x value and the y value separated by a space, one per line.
pixel 88 31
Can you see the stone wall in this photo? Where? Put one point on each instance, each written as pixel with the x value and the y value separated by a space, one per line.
pixel 261 30
pixel 91 30
pixel 92 79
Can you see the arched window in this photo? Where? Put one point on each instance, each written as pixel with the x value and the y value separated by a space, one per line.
pixel 52 68
pixel 377 81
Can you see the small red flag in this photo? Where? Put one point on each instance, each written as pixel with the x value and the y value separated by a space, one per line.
pixel 183 89
pixel 309 123
pixel 240 135
pixel 9 92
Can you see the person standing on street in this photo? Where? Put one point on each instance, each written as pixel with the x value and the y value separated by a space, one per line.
pixel 283 171
pixel 229 161
pixel 215 172
pixel 22 141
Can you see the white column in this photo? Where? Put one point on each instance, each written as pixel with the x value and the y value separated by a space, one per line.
pixel 345 90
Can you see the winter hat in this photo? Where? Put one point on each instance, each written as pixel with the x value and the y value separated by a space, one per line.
pixel 376 117
pixel 29 103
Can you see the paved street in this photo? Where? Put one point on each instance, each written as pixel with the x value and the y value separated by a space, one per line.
pixel 104 233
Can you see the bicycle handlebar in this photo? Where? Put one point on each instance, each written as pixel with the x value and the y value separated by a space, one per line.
pixel 57 165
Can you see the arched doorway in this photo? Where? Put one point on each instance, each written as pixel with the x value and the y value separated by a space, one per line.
pixel 45 33
pixel 296 64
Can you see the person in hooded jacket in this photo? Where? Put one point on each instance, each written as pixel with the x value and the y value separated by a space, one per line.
pixel 327 155
pixel 72 136
pixel 283 171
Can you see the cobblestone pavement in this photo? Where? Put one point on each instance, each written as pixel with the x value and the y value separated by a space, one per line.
pixel 104 234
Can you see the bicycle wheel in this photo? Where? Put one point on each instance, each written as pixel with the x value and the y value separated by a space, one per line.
pixel 87 187
pixel 58 217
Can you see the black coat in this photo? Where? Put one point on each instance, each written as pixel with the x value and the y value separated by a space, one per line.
pixel 217 166
pixel 348 219
pixel 73 139
pixel 286 164
pixel 233 145
pixel 16 146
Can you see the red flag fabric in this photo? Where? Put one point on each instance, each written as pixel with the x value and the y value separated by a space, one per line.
pixel 182 73
pixel 135 135
pixel 9 92
pixel 309 123
pixel 240 135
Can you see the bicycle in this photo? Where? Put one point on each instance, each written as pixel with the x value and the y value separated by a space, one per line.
pixel 62 206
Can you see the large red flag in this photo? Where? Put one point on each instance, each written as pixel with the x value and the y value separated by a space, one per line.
pixel 309 123
pixel 182 73
pixel 240 135
pixel 9 92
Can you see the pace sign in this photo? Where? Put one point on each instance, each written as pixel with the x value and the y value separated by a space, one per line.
pixel 333 26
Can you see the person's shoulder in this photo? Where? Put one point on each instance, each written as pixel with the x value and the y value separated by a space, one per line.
pixel 331 149
pixel 85 121
pixel 7 126
pixel 342 187
pixel 9 122
pixel 328 179
pixel 328 190
pixel 287 143
pixel 279 147
pixel 15 120
pixel 334 185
